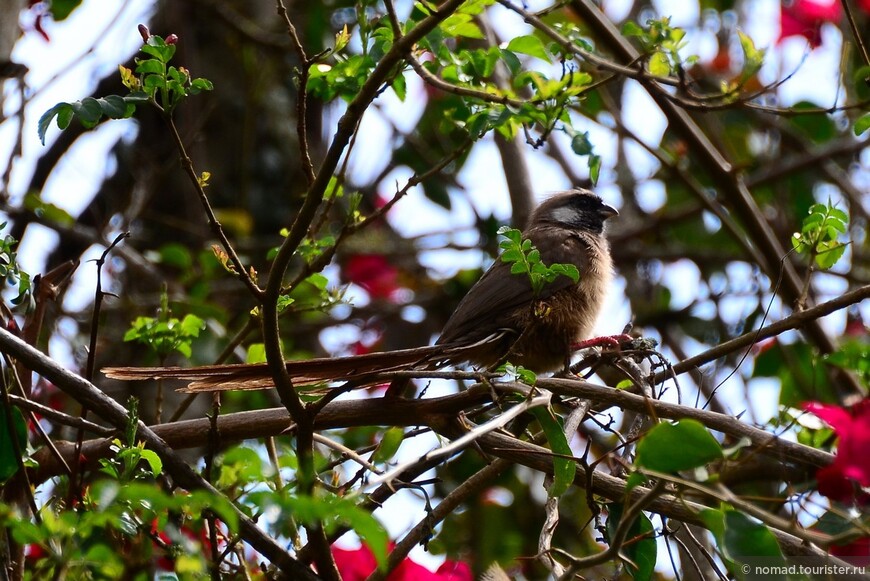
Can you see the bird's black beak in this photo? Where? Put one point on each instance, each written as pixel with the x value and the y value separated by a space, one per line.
pixel 608 211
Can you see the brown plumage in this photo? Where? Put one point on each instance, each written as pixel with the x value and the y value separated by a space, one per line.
pixel 499 319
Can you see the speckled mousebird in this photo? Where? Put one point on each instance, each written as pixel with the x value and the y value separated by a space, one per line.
pixel 499 319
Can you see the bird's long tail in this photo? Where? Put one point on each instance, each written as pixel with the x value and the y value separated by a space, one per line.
pixel 306 372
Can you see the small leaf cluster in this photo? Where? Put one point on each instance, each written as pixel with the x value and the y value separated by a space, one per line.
pixel 125 463
pixel 819 235
pixel 89 111
pixel 345 75
pixel 10 272
pixel 158 83
pixel 853 355
pixel 753 58
pixel 164 333
pixel 519 373
pixel 243 474
pixel 582 145
pixel 662 42
pixel 524 258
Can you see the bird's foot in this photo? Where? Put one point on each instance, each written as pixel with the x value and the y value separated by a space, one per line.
pixel 607 342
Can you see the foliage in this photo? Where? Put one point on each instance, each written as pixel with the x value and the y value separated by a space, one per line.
pixel 356 153
pixel 121 523
pixel 157 83
pixel 164 334
pixel 525 259
pixel 13 440
pixel 819 235
pixel 11 272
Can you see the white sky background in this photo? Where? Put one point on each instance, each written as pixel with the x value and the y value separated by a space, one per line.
pixel 100 34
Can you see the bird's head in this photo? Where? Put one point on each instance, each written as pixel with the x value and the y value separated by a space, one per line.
pixel 576 209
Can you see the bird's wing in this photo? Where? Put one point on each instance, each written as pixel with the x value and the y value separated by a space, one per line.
pixel 487 308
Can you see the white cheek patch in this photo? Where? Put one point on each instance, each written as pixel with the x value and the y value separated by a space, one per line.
pixel 564 215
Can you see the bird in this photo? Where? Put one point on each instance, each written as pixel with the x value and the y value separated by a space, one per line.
pixel 501 318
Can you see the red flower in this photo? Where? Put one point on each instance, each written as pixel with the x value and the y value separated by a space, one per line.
pixel 805 18
pixel 375 274
pixel 357 565
pixel 857 548
pixel 852 463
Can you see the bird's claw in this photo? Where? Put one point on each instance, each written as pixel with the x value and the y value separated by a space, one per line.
pixel 613 342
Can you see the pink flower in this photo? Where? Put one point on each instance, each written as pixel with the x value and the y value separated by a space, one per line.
pixel 357 565
pixel 852 462
pixel 805 18
pixel 375 274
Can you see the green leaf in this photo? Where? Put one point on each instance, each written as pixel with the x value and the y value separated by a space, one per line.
pixel 154 461
pixel 564 469
pixel 829 253
pixel 63 112
pixel 854 355
pixel 594 168
pixel 88 111
pixel 149 67
pixel 510 233
pixel 659 64
pixel 332 510
pixel 696 446
pixel 318 280
pixel 389 444
pixel 511 61
pixel 61 9
pixel 200 84
pixel 49 212
pixel 640 548
pixel 177 255
pixel 157 47
pixel 9 461
pixel 461 25
pixel 239 466
pixel 400 87
pixel 568 270
pixel 753 58
pixel 745 537
pixel 116 107
pixel 191 326
pixel 530 45
pixel 862 124
pixel 818 126
pixel 580 144
pixel 631 28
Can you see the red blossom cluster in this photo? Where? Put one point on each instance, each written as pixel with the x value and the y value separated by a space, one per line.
pixel 358 564
pixel 806 17
pixel 375 274
pixel 851 464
